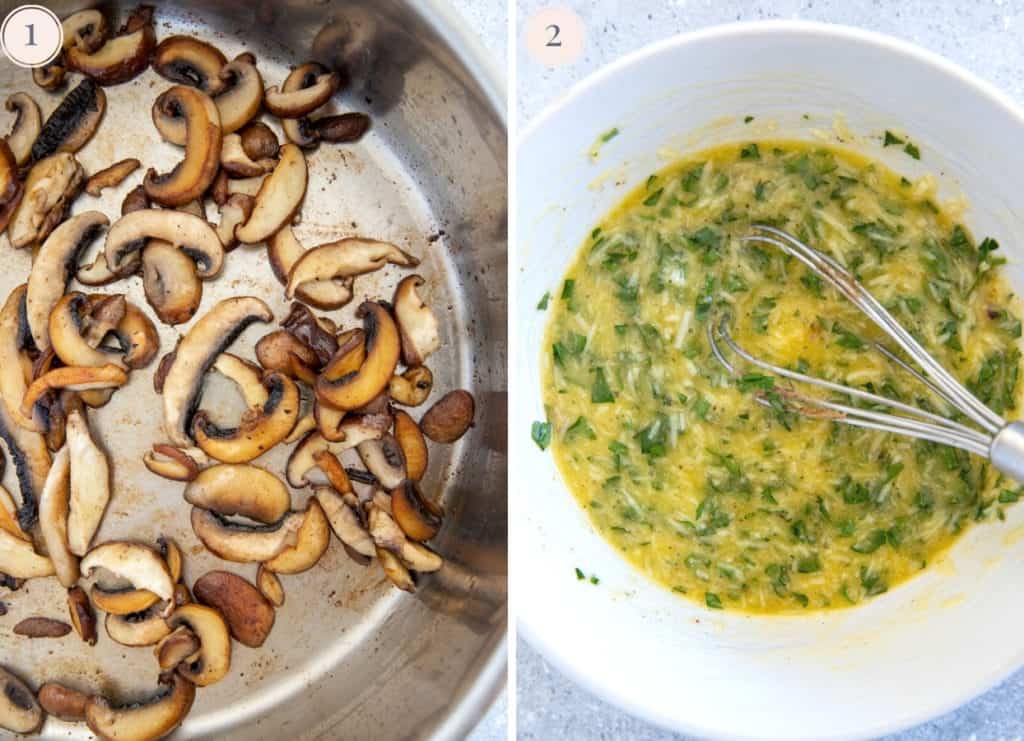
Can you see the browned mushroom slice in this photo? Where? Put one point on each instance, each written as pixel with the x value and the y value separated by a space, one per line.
pixel 321 339
pixel 111 177
pixel 389 536
pixel 189 233
pixel 86 30
pixel 53 268
pixel 72 378
pixel 259 429
pixel 412 387
pixel 414 447
pixel 193 175
pixel 305 424
pixel 283 251
pixel 278 198
pixel 18 559
pixel 313 538
pixel 13 333
pixel 234 211
pixel 28 122
pixel 50 187
pixel 170 283
pixel 395 570
pixel 32 464
pixel 190 61
pixel 270 586
pixel 344 258
pixel 198 350
pixel 245 543
pixel 416 322
pixel 120 58
pixel 90 484
pixel 246 375
pixel 243 96
pixel 214 658
pixel 345 521
pixel 82 616
pixel 73 122
pixel 303 469
pixel 250 617
pixel 19 711
pixel 171 463
pixel 284 352
pixel 336 475
pixel 9 516
pixel 42 627
pixel 53 519
pixel 144 721
pixel 144 628
pixel 384 459
pixel 342 128
pixel 12 190
pixel 237 163
pixel 297 103
pixel 259 141
pixel 449 418
pixel 240 489
pixel 50 76
pixel 124 601
pixel 175 647
pixel 245 186
pixel 300 131
pixel 138 564
pixel 63 702
pixel 383 346
pixel 419 518
pixel 218 191
pixel 137 337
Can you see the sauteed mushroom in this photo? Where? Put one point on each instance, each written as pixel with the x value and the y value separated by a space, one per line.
pixel 300 131
pixel 382 349
pixel 259 141
pixel 51 185
pixel 278 198
pixel 145 721
pixel 122 57
pixel 82 616
pixel 28 122
pixel 19 711
pixel 86 29
pixel 73 122
pixel 170 282
pixel 90 484
pixel 412 387
pixel 342 128
pixel 190 233
pixel 303 470
pixel 19 560
pixel 250 617
pixel 53 519
pixel 282 351
pixel 236 104
pixel 42 627
pixel 245 543
pixel 63 702
pixel 414 447
pixel 190 61
pixel 176 647
pixel 416 322
pixel 344 258
pixel 312 540
pixel 449 418
pixel 143 628
pixel 111 177
pixel 214 659
pixel 71 378
pixel 134 562
pixel 236 210
pixel 240 489
pixel 235 161
pixel 419 518
pixel 345 522
pixel 384 459
pixel 171 463
pixel 193 175
pixel 297 103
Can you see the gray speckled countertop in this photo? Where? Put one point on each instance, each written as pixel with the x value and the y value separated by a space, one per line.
pixel 489 20
pixel 983 36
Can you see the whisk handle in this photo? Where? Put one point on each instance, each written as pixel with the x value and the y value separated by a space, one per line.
pixel 1007 451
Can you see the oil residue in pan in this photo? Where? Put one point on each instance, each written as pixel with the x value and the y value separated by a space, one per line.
pixel 343 633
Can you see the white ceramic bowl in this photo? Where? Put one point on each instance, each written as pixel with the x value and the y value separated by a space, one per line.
pixel 907 656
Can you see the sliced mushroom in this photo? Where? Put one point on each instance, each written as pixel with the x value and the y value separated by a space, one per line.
pixel 283 251
pixel 344 258
pixel 189 61
pixel 170 282
pixel 86 30
pixel 13 336
pixel 240 489
pixel 414 447
pixel 384 459
pixel 245 543
pixel 171 463
pixel 342 128
pixel 214 657
pixel 270 586
pixel 395 570
pixel 42 627
pixel 246 375
pixel 259 141
pixel 419 518
pixel 242 98
pixel 50 187
pixel 90 484
pixel 63 702
pixel 193 175
pixel 53 268
pixel 73 121
pixel 250 617
pixel 53 519
pixel 301 323
pixel 12 190
pixel 382 350
pixel 9 515
pixel 412 387
pixel 236 210
pixel 329 422
pixel 297 103
pixel 146 721
pixel 336 475
pixel 389 536
pixel 300 130
pixel 198 350
pixel 283 352
pixel 111 177
pixel 73 379
pixel 237 163
pixel 175 647
pixel 120 58
pixel 19 711
pixel 349 356
pixel 28 122
pixel 138 564
pixel 189 233
pixel 31 463
pixel 82 616
pixel 416 322
pixel 278 198
pixel 50 76
pixel 305 424
pixel 19 560
pixel 259 429
pixel 126 601
pixel 245 186
pixel 144 628
pixel 449 418
pixel 137 337
pixel 313 538
pixel 303 470
pixel 345 522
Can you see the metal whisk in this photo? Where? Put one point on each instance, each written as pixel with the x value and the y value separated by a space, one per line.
pixel 998 440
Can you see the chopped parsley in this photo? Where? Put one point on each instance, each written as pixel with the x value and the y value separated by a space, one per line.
pixel 541 434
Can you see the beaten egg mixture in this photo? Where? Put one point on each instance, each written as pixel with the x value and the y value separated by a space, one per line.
pixel 705 490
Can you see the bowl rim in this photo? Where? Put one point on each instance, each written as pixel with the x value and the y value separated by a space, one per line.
pixel 533 631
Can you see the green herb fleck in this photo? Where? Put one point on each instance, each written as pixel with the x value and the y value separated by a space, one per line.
pixel 891 139
pixel 543 303
pixel 712 600
pixel 600 393
pixel 541 434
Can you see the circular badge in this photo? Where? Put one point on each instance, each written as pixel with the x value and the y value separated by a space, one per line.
pixel 555 36
pixel 31 36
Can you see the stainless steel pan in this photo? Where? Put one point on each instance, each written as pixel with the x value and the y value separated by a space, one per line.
pixel 349 657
